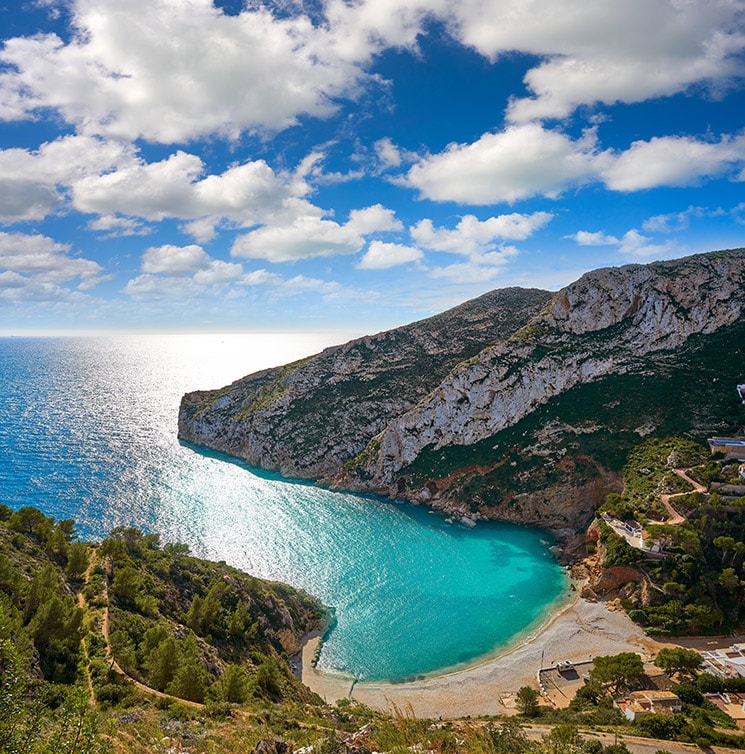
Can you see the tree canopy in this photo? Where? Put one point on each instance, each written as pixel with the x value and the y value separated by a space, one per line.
pixel 617 671
pixel 678 660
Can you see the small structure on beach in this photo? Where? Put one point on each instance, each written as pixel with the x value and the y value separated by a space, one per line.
pixel 649 702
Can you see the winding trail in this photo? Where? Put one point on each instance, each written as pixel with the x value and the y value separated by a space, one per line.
pixel 675 517
pixel 113 664
pixel 635 744
pixel 83 606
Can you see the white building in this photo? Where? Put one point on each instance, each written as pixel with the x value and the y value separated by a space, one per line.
pixel 649 702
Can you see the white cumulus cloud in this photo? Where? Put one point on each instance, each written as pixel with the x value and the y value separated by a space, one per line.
pixel 176 187
pixel 33 182
pixel 480 242
pixel 605 51
pixel 517 163
pixel 310 236
pixel 373 220
pixel 174 260
pixel 304 238
pixel 595 238
pixel 115 226
pixel 632 244
pixel 36 267
pixel 673 161
pixel 473 236
pixel 676 221
pixel 171 71
pixel 381 256
pixel 478 268
pixel 529 160
pixel 388 153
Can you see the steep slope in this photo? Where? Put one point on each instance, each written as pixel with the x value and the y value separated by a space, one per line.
pixel 486 417
pixel 176 623
pixel 619 330
pixel 307 418
pixel 557 464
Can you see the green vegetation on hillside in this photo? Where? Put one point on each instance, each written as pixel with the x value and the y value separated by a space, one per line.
pixel 199 630
pixel 576 436
pixel 648 473
pixel 196 630
pixel 192 631
pixel 697 583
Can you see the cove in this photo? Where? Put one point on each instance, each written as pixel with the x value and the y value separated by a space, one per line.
pixel 87 426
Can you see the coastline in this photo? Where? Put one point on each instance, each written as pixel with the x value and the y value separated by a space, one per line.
pixel 578 631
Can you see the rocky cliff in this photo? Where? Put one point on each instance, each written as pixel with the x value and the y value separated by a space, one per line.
pixel 533 424
pixel 306 419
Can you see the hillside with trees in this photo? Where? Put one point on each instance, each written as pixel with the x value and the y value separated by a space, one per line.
pixel 695 582
pixel 131 646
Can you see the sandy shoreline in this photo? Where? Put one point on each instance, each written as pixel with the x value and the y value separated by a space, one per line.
pixel 578 632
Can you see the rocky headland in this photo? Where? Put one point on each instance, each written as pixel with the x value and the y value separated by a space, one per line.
pixel 518 405
pixel 307 418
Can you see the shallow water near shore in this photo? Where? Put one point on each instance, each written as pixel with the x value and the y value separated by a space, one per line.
pixel 88 431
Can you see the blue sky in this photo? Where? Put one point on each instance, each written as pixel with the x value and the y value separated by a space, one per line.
pixel 198 165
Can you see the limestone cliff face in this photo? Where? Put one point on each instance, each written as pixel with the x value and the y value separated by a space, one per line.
pixel 518 405
pixel 600 325
pixel 306 419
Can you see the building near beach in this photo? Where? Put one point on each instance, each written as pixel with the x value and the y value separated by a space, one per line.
pixel 732 704
pixel 725 663
pixel 649 702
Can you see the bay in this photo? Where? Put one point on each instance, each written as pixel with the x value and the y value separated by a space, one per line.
pixel 88 431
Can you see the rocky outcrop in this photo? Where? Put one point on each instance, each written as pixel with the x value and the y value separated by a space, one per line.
pixel 306 419
pixel 471 413
pixel 599 325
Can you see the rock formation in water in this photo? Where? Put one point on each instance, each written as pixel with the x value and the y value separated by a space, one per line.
pixel 497 409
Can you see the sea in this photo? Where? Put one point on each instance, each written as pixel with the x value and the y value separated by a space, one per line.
pixel 88 432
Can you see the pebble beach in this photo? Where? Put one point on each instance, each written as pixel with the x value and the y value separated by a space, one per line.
pixel 578 632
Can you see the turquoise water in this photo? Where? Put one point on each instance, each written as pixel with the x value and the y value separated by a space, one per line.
pixel 88 431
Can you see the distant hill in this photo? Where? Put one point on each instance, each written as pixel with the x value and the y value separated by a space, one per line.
pixel 518 405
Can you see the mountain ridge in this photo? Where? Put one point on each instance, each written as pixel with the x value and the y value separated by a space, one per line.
pixel 610 324
pixel 266 418
pixel 560 348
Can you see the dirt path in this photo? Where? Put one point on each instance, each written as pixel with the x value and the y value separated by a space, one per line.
pixel 635 744
pixel 696 486
pixel 113 664
pixel 675 517
pixel 82 605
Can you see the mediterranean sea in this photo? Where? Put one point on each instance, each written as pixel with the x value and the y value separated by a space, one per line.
pixel 88 431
